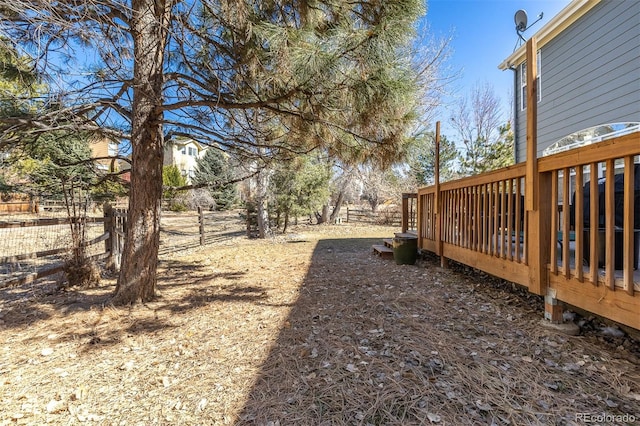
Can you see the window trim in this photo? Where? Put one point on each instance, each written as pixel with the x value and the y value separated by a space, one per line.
pixel 523 86
pixel 523 81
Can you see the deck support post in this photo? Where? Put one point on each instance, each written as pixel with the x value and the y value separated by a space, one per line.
pixel 553 308
pixel 554 318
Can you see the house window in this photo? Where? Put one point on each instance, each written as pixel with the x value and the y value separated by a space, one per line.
pixel 192 152
pixel 112 149
pixel 523 82
pixel 183 150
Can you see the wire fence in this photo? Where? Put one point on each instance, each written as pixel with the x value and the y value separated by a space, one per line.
pixel 31 243
pixel 32 246
pixel 28 246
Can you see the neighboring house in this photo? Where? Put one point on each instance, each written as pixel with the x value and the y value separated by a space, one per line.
pixel 184 153
pixel 589 71
pixel 104 147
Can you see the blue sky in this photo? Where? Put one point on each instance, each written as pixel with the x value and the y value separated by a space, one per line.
pixel 483 35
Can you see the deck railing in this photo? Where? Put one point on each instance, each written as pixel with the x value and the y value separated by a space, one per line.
pixel 480 222
pixel 409 212
pixel 565 245
pixel 593 259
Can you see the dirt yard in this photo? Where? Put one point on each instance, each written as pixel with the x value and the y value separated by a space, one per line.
pixel 307 329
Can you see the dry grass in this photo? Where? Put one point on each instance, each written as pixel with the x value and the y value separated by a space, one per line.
pixel 306 330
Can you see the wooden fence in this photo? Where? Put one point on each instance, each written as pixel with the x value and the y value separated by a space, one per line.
pixel 12 207
pixel 381 217
pixel 577 242
pixel 115 227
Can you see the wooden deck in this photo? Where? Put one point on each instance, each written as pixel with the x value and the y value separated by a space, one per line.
pixel 474 220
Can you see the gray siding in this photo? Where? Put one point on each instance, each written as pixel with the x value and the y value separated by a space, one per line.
pixel 590 75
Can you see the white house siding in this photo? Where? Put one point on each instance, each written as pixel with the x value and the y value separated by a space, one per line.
pixel 186 163
pixel 590 75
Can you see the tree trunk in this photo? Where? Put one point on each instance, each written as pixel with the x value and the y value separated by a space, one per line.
pixel 373 202
pixel 286 222
pixel 336 210
pixel 325 213
pixel 261 203
pixel 137 279
pixel 323 216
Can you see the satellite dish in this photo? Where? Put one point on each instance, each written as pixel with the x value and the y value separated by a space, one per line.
pixel 521 20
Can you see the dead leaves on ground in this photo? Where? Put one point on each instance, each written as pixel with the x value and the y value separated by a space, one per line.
pixel 316 332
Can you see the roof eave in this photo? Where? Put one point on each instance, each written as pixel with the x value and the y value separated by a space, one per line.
pixel 567 16
pixel 183 141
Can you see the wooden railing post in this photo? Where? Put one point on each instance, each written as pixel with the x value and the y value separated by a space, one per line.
pixel 438 207
pixel 538 208
pixel 531 195
pixel 419 220
pixel 405 213
pixel 629 225
pixel 536 249
pixel 413 212
pixel 539 237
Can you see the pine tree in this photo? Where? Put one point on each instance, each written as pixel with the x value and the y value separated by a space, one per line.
pixel 54 163
pixel 299 187
pixel 172 178
pixel 214 170
pixel 421 159
pixel 262 79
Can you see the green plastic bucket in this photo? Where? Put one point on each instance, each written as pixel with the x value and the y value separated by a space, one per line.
pixel 405 250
